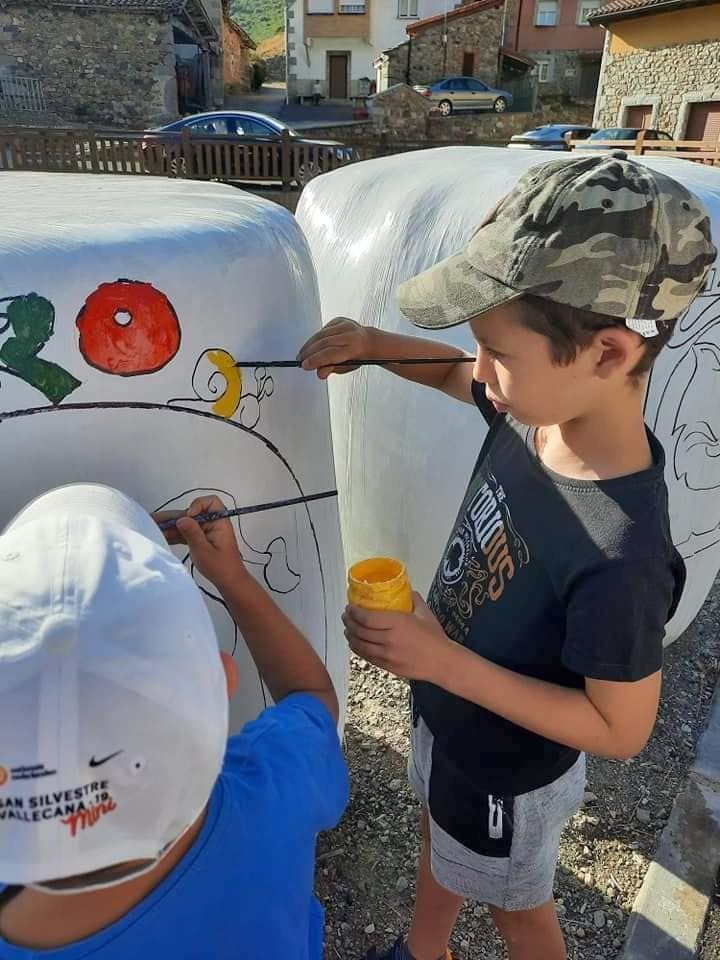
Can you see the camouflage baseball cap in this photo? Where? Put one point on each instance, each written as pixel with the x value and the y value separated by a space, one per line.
pixel 601 233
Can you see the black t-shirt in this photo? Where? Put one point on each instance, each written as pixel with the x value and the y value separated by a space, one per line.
pixel 555 578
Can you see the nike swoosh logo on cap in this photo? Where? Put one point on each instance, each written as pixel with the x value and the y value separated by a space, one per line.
pixel 99 763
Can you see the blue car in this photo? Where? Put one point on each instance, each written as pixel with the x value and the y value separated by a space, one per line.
pixel 552 136
pixel 258 128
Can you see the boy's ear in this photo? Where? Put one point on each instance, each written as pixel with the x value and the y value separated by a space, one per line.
pixel 617 350
pixel 231 673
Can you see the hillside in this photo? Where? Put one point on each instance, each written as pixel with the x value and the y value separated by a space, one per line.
pixel 261 18
pixel 272 47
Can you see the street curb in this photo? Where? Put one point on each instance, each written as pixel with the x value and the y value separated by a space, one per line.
pixel 668 916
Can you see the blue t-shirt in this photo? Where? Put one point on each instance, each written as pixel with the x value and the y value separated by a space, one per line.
pixel 244 889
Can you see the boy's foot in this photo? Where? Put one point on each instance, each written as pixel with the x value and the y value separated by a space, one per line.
pixel 398 951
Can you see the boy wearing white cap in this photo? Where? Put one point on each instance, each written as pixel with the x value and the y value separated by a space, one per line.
pixel 129 825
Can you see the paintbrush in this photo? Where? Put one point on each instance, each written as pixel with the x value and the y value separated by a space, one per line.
pixel 356 363
pixel 242 511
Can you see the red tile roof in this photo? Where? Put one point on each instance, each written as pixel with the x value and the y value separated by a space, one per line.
pixel 465 10
pixel 622 9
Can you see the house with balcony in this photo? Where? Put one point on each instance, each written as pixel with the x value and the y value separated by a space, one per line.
pixel 335 42
pixel 660 67
pixel 563 42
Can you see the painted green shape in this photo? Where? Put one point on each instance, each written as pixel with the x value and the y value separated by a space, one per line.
pixel 32 319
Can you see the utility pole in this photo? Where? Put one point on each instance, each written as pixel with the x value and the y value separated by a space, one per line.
pixel 287 50
pixel 445 41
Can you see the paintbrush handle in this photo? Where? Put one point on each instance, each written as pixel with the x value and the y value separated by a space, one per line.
pixel 255 508
pixel 403 361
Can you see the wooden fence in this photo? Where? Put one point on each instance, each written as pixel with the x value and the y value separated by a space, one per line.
pixel 73 150
pixel 698 151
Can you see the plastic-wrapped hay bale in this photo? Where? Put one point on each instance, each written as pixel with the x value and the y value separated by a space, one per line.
pixel 403 454
pixel 125 304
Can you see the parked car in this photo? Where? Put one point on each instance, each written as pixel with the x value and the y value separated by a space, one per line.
pixel 552 136
pixel 256 127
pixel 464 93
pixel 621 133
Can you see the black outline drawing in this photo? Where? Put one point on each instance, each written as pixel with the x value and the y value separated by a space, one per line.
pixel 248 409
pixel 165 408
pixel 251 556
pixel 696 339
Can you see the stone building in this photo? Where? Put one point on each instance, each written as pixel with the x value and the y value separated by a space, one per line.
pixel 464 42
pixel 121 63
pixel 660 67
pixel 237 46
pixel 563 42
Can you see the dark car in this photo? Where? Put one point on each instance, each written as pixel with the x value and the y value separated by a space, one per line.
pixel 552 136
pixel 308 158
pixel 464 93
pixel 622 133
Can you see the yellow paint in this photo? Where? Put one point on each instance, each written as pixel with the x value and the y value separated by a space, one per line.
pixel 380 583
pixel 228 403
pixel 665 29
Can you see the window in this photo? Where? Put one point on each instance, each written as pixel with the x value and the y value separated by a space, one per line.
pixel 407 9
pixel 321 6
pixel 585 8
pixel 546 13
pixel 208 127
pixel 544 71
pixel 247 127
pixel 350 7
pixel 457 85
pixel 477 85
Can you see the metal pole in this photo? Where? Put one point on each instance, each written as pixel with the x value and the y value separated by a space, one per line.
pixel 287 51
pixel 445 40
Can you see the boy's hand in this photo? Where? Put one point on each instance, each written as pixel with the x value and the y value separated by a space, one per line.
pixel 411 645
pixel 213 547
pixel 338 342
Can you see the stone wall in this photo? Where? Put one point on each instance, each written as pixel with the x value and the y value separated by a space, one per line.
pixel 572 73
pixel 478 33
pixel 236 61
pixel 102 67
pixel 402 116
pixel 670 78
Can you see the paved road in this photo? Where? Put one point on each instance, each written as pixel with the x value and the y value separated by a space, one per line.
pixel 270 99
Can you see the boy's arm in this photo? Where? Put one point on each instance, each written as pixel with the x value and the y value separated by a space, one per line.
pixel 286 660
pixel 611 719
pixel 344 340
pixel 608 719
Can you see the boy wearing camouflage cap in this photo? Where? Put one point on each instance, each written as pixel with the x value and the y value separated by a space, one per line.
pixel 543 633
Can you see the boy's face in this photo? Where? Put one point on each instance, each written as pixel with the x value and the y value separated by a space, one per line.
pixel 516 365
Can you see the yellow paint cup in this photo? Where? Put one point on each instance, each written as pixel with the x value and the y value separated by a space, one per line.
pixel 380 583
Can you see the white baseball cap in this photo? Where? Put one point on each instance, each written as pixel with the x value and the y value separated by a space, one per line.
pixel 113 700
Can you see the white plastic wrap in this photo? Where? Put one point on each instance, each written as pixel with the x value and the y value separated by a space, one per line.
pixel 403 454
pixel 125 303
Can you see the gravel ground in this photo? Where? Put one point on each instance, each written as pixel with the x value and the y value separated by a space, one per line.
pixel 711 941
pixel 366 866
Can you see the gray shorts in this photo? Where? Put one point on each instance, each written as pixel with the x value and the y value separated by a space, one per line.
pixel 515 846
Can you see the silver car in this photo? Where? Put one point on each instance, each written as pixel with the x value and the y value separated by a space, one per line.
pixel 465 93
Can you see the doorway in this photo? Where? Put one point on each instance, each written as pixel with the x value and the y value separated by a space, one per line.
pixel 468 69
pixel 639 117
pixel 704 121
pixel 338 70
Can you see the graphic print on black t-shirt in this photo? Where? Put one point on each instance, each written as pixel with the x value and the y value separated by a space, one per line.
pixel 484 554
pixel 553 578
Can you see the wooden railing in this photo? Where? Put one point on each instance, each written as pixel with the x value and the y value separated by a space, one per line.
pixel 699 151
pixel 81 150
